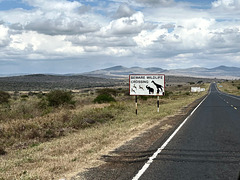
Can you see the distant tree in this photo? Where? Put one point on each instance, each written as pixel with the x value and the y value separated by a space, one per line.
pixel 4 97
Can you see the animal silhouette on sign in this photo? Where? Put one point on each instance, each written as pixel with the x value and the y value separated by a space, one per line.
pixel 133 90
pixel 140 87
pixel 158 86
pixel 134 86
pixel 151 90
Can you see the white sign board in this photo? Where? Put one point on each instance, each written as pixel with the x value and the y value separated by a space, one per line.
pixel 147 84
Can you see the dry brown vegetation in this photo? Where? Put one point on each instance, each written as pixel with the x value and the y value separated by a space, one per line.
pixel 39 141
pixel 231 87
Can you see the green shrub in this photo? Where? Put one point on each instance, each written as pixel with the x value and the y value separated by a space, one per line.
pixel 238 87
pixel 107 91
pixel 4 97
pixel 24 96
pixel 58 97
pixel 104 98
pixel 40 95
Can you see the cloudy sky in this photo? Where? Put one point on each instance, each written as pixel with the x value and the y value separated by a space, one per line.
pixel 74 36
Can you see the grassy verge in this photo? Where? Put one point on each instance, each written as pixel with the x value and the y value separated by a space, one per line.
pixel 89 131
pixel 231 87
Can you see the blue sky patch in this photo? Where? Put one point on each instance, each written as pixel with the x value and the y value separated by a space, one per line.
pixel 13 4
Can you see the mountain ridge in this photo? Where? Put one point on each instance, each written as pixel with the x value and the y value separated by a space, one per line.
pixel 122 72
pixel 225 72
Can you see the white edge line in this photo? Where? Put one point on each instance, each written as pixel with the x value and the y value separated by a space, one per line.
pixel 147 164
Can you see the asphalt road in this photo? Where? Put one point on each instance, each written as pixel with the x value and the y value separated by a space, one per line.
pixel 207 146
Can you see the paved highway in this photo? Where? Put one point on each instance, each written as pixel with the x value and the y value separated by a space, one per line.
pixel 206 146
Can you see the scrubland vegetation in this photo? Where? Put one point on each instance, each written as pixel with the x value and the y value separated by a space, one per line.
pixel 231 87
pixel 49 136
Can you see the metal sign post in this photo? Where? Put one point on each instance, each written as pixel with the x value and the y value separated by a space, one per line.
pixel 158 104
pixel 136 104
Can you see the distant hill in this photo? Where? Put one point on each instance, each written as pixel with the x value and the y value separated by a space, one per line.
pixel 123 72
pixel 42 82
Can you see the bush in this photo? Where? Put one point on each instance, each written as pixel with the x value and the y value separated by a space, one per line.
pixel 58 97
pixel 4 97
pixel 104 98
pixel 107 91
pixel 24 96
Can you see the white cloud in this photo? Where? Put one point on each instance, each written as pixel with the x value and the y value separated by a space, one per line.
pixel 61 25
pixel 32 43
pixel 147 38
pixel 226 4
pixel 54 5
pixel 124 11
pixel 225 40
pixel 4 36
pixel 156 2
pixel 125 25
pixel 53 18
pixel 140 32
pixel 194 33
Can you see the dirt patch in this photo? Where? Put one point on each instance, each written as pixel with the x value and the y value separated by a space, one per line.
pixel 125 161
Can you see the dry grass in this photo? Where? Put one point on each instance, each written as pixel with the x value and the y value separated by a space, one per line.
pixel 231 87
pixel 65 156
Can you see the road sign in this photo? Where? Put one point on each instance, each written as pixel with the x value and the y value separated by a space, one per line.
pixel 147 84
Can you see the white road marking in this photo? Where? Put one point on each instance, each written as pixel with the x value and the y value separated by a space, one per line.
pixel 149 162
